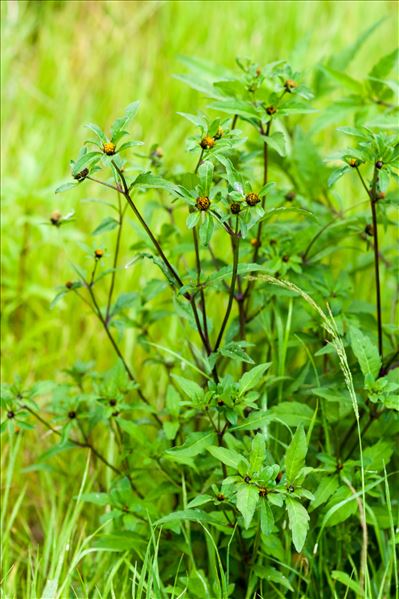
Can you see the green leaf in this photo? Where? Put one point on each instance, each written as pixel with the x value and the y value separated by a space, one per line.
pixel 190 388
pixel 170 429
pixel 278 142
pixel 192 515
pixel 295 454
pixel 192 219
pixel 250 379
pixel 205 173
pixel 346 580
pixel 366 353
pixel 227 456
pixel 337 174
pixel 98 131
pixel 107 224
pixel 258 453
pixel 298 520
pixel 85 160
pixel 121 122
pixel 247 500
pixel 344 80
pixel 195 444
pixel 147 180
pixel 383 68
pixel 327 487
pixel 266 517
pixel 243 109
pixel 66 186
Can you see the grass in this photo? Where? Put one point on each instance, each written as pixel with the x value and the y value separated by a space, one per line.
pixel 63 64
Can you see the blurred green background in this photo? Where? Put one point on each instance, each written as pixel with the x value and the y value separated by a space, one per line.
pixel 68 63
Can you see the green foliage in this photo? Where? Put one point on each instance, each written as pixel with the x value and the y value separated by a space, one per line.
pixel 249 404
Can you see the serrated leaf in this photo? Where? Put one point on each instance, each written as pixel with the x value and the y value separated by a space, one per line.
pixel 327 487
pixel 266 517
pixel 298 519
pixel 205 173
pixel 296 453
pixel 250 379
pixel 147 180
pixel 190 388
pixel 227 456
pixel 247 500
pixel 258 453
pixel 366 353
pixel 195 444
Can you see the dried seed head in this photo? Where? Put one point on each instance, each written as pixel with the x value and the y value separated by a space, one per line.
pixel 112 402
pixel 72 414
pixel 220 497
pixel 55 218
pixel 353 162
pixel 157 153
pixel 262 492
pixel 271 110
pixel 252 199
pixel 81 175
pixel 98 254
pixel 207 142
pixel 10 415
pixel 220 402
pixel 290 85
pixel 202 203
pixel 369 230
pixel 255 242
pixel 69 284
pixel 290 196
pixel 379 164
pixel 235 208
pixel 109 148
pixel 219 133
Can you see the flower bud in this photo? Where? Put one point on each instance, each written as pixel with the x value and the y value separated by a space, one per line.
pixel 81 175
pixel 235 208
pixel 379 164
pixel 255 242
pixel 202 203
pixel 55 218
pixel 109 148
pixel 207 142
pixel 69 284
pixel 290 196
pixel 98 254
pixel 271 110
pixel 290 85
pixel 219 133
pixel 252 199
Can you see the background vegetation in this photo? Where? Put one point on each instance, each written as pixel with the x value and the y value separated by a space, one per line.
pixel 64 64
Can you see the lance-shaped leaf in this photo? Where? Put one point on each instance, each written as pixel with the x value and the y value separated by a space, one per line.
pixel 295 454
pixel 298 520
pixel 247 500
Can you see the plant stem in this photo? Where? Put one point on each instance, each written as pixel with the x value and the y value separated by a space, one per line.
pixel 168 265
pixel 201 290
pixel 87 445
pixel 373 200
pixel 236 246
pixel 115 262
